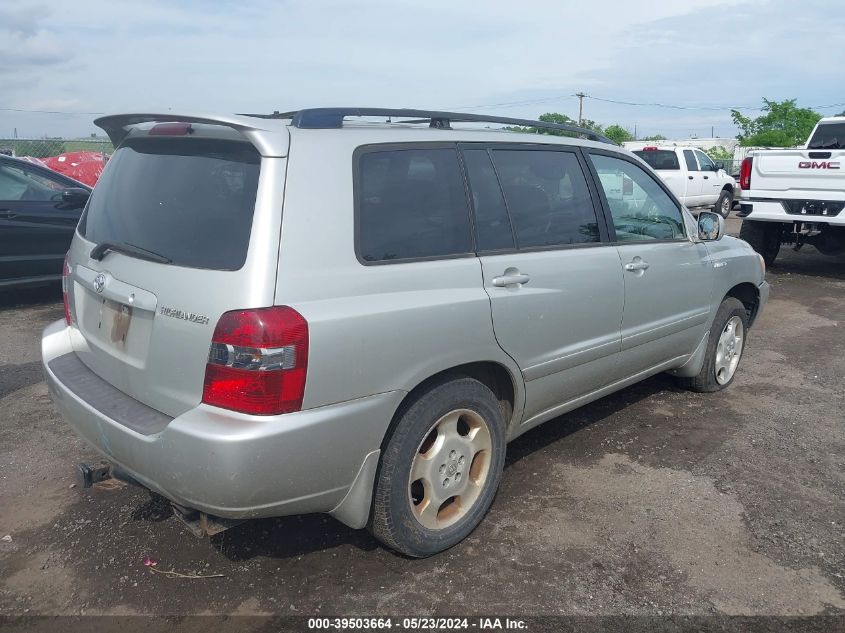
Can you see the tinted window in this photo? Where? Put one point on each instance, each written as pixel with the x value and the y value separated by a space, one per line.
pixel 547 197
pixel 188 199
pixel 660 158
pixel 828 136
pixel 689 158
pixel 492 225
pixel 640 208
pixel 412 203
pixel 19 183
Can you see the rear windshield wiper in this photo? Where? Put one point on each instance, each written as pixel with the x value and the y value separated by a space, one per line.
pixel 101 249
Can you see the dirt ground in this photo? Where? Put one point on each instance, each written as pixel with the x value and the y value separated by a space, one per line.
pixel 651 501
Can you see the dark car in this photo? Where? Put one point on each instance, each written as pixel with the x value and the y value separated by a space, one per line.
pixel 39 210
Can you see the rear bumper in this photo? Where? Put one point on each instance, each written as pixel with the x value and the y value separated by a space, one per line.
pixel 224 463
pixel 773 210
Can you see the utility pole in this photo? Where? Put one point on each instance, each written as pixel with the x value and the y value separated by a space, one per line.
pixel 580 96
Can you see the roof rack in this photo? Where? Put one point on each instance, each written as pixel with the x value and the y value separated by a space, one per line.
pixel 325 118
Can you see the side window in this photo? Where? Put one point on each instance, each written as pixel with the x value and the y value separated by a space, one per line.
pixel 689 158
pixel 492 224
pixel 547 197
pixel 640 208
pixel 704 161
pixel 19 183
pixel 411 203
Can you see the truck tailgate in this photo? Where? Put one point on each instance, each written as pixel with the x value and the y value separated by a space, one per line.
pixel 799 173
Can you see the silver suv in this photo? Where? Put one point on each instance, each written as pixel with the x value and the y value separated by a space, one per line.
pixel 319 312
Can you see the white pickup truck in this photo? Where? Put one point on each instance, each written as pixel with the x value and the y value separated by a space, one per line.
pixel 691 175
pixel 796 196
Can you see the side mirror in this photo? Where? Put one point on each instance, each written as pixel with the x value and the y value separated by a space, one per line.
pixel 75 197
pixel 711 226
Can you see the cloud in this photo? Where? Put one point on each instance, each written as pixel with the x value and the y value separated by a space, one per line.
pixel 273 55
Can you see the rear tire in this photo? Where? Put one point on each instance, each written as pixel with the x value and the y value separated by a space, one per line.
pixel 724 349
pixel 724 204
pixel 764 238
pixel 440 468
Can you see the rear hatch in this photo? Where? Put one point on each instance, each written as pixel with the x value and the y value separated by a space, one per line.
pixel 172 237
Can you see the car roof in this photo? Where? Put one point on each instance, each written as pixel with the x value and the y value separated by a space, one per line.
pixel 271 134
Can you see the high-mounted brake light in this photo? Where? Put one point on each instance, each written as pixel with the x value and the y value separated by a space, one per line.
pixel 650 148
pixel 258 361
pixel 745 174
pixel 65 287
pixel 171 129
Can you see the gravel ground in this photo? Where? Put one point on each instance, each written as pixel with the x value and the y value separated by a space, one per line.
pixel 651 501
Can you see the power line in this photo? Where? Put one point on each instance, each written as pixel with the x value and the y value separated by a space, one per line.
pixel 44 111
pixel 581 96
pixel 526 102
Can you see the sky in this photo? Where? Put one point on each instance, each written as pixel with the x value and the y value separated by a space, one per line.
pixel 517 59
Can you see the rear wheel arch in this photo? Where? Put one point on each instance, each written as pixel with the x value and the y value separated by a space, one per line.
pixel 494 375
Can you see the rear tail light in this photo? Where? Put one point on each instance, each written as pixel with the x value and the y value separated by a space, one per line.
pixel 650 148
pixel 745 174
pixel 258 361
pixel 65 285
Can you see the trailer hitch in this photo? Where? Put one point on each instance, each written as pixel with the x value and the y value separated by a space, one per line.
pixel 89 474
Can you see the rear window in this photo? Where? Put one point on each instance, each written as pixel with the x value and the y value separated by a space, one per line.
pixel 411 204
pixel 188 199
pixel 659 159
pixel 828 136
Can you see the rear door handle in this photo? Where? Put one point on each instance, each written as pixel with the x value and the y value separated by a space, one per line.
pixel 690 177
pixel 510 279
pixel 707 178
pixel 637 264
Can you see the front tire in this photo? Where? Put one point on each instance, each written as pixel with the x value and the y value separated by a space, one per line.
pixel 724 204
pixel 724 349
pixel 440 468
pixel 764 238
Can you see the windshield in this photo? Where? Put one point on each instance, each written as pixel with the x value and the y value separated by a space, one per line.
pixel 828 136
pixel 189 200
pixel 660 158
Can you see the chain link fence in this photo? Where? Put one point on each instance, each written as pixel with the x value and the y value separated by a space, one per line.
pixel 729 165
pixel 82 159
pixel 47 147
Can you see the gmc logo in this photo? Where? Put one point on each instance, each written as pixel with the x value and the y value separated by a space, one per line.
pixel 822 164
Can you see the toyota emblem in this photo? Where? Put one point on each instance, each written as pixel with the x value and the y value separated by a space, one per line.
pixel 99 282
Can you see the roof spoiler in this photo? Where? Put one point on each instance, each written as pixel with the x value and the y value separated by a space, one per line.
pixel 269 140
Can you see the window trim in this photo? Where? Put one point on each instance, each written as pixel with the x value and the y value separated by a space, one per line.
pixel 606 206
pixel 689 150
pixel 601 220
pixel 356 191
pixel 696 153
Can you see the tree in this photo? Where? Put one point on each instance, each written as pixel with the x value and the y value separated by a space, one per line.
pixel 783 124
pixel 719 153
pixel 618 134
pixel 556 117
pixel 655 137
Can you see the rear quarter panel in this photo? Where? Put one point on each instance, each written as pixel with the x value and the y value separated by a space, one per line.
pixel 372 328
